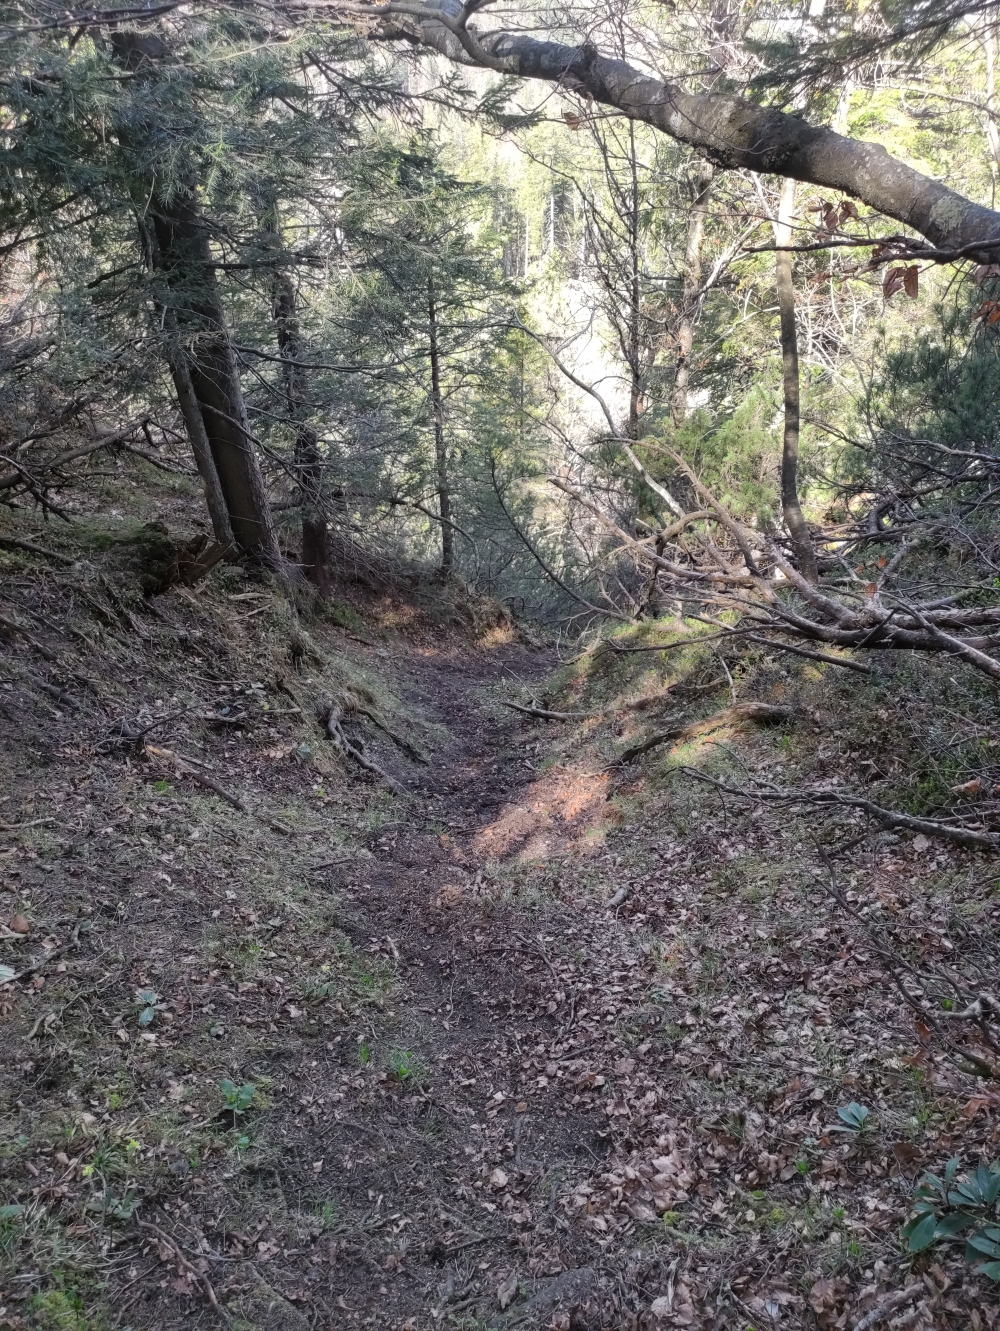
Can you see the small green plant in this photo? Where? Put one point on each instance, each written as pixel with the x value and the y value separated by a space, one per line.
pixel 405 1067
pixel 148 1003
pixel 113 1208
pixel 364 1054
pixel 237 1099
pixel 853 1120
pixel 945 1210
pixel 11 1227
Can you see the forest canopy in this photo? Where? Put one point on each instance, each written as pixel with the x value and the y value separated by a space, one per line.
pixel 609 311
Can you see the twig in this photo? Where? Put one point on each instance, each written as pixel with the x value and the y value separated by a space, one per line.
pixel 49 956
pixel 962 836
pixel 187 770
pixel 183 1262
pixel 812 656
pixel 893 1302
pixel 15 627
pixel 16 827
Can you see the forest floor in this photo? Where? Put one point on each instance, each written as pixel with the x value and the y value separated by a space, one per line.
pixel 536 1041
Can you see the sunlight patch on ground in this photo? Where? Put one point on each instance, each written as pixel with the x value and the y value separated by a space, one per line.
pixel 560 812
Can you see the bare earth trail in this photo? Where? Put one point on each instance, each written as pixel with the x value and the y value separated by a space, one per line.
pixel 465 1165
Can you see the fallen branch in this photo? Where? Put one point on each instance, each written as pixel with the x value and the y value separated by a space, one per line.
pixel 17 827
pixel 741 711
pixel 49 956
pixel 186 769
pixel 962 836
pixel 13 543
pixel 200 1279
pixel 812 656
pixel 545 714
pixel 14 627
pixel 894 1301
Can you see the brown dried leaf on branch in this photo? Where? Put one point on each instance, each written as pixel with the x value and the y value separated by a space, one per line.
pixel 901 279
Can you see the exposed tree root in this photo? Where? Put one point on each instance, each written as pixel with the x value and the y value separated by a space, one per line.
pixel 331 717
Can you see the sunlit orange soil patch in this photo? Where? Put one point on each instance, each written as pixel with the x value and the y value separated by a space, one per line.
pixel 560 812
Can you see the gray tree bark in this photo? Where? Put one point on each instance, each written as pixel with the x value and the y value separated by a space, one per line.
pixel 308 463
pixel 729 131
pixel 691 291
pixel 802 543
pixel 440 444
pixel 184 258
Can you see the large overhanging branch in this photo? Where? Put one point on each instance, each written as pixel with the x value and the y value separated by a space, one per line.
pixel 728 130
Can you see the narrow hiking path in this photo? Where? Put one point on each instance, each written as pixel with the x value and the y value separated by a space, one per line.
pixel 443 1151
pixel 531 1044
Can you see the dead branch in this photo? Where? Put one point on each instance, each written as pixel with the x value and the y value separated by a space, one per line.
pixel 812 656
pixel 741 711
pixel 14 627
pixel 51 955
pixel 201 1280
pixel 14 543
pixel 185 767
pixel 545 714
pixel 894 1301
pixel 962 836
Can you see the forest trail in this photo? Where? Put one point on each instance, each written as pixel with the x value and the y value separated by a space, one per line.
pixel 534 1043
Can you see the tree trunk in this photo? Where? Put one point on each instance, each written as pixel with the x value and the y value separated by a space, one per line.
pixel 205 373
pixel 308 462
pixel 730 131
pixel 702 191
pixel 440 450
pixel 635 356
pixel 200 445
pixel 183 255
pixel 790 507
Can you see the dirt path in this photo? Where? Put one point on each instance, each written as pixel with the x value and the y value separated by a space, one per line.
pixel 523 1047
pixel 445 1128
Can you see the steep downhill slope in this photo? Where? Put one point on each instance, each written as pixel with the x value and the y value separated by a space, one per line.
pixel 487 1029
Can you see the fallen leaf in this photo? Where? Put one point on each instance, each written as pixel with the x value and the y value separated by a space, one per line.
pixel 572 119
pixel 498 1179
pixel 507 1290
pixel 19 924
pixel 972 787
pixel 823 1295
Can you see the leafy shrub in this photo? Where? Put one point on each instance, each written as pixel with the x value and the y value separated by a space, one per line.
pixel 946 1210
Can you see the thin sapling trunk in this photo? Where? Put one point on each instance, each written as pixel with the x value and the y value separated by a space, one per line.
pixel 802 544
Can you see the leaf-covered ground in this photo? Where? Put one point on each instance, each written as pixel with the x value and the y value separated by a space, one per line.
pixel 541 1042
